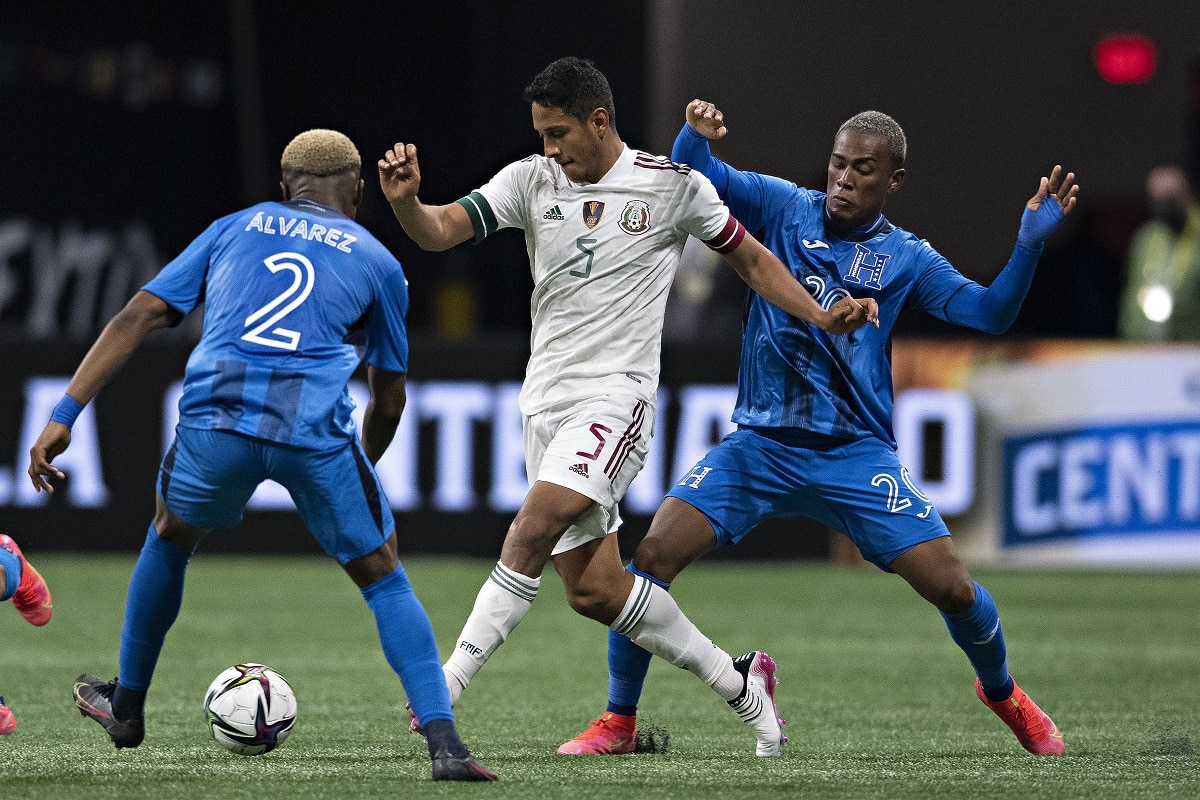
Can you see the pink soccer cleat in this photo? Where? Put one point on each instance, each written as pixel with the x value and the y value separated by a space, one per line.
pixel 1036 732
pixel 32 597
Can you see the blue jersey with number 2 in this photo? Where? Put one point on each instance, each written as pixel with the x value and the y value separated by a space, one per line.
pixel 289 289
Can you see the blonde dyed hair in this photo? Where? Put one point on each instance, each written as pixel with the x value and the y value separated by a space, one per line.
pixel 320 152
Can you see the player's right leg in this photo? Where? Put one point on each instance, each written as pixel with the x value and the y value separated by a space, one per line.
pixel 357 530
pixel 509 591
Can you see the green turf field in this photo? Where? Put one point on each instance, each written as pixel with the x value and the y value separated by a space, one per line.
pixel 878 699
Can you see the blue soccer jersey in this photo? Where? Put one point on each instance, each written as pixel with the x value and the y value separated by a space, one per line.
pixel 286 287
pixel 792 374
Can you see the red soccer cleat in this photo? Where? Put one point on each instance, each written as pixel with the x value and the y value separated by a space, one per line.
pixel 32 597
pixel 8 723
pixel 612 734
pixel 1036 732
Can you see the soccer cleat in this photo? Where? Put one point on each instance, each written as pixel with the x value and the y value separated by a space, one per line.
pixel 32 597
pixel 611 735
pixel 756 704
pixel 8 723
pixel 1036 732
pixel 413 725
pixel 460 768
pixel 93 697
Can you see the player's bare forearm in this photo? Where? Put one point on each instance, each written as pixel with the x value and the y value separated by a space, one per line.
pixel 433 228
pixel 118 342
pixel 382 415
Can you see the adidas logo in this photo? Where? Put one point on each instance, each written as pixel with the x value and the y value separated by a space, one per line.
pixel 554 213
pixel 580 469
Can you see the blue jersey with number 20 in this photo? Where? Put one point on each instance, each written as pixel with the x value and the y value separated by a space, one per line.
pixel 288 288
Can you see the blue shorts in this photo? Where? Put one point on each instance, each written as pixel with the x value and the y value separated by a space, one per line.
pixel 207 477
pixel 859 488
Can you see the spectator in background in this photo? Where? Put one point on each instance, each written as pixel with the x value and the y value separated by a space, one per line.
pixel 1161 301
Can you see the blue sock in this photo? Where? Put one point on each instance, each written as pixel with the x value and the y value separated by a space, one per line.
pixel 12 573
pixel 151 607
pixel 977 631
pixel 628 664
pixel 409 645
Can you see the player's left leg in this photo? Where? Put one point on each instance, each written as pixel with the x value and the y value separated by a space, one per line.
pixel 600 588
pixel 937 573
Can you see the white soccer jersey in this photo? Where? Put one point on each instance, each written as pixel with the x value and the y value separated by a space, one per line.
pixel 603 257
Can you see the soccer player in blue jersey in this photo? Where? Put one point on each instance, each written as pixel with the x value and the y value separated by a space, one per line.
pixel 291 290
pixel 814 433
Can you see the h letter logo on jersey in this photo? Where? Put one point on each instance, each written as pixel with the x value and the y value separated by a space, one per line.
pixel 694 479
pixel 867 268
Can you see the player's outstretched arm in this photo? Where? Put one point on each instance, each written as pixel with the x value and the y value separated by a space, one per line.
pixel 118 341
pixel 706 119
pixel 766 274
pixel 1055 197
pixel 433 228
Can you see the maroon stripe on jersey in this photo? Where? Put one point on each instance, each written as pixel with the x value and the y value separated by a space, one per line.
pixel 648 161
pixel 632 436
pixel 729 238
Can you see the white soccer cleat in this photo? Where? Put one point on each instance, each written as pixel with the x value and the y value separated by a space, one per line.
pixel 756 704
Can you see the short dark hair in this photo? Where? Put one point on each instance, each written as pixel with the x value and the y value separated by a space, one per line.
pixel 574 86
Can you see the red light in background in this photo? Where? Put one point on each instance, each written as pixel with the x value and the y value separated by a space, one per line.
pixel 1124 58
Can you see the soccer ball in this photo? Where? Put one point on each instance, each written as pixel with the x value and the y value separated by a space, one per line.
pixel 250 709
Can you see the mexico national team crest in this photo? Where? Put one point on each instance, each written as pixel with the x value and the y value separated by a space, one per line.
pixel 635 218
pixel 593 210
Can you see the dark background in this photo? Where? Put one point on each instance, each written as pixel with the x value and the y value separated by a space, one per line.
pixel 129 127
pixel 106 124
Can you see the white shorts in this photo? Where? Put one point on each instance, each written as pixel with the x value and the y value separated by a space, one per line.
pixel 595 447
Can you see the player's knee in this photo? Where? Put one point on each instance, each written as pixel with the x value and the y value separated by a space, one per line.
pixel 592 602
pixel 956 596
pixel 654 557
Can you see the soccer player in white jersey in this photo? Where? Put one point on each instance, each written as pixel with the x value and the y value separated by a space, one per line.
pixel 605 226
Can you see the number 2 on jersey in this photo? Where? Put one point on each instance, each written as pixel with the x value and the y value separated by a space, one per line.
pixel 303 276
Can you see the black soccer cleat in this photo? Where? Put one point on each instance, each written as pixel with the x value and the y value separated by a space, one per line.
pixel 460 768
pixel 93 698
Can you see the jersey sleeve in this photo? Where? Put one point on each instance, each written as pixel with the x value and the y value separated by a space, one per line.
pixel 753 198
pixel 705 217
pixel 937 282
pixel 387 325
pixel 501 202
pixel 181 281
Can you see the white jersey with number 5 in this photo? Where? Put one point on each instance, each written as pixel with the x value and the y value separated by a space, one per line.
pixel 603 257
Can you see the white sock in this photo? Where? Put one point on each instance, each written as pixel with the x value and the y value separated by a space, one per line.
pixel 502 602
pixel 653 620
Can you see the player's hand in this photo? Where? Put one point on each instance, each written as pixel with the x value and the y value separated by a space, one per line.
pixel 55 438
pixel 1041 216
pixel 850 314
pixel 707 119
pixel 399 173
